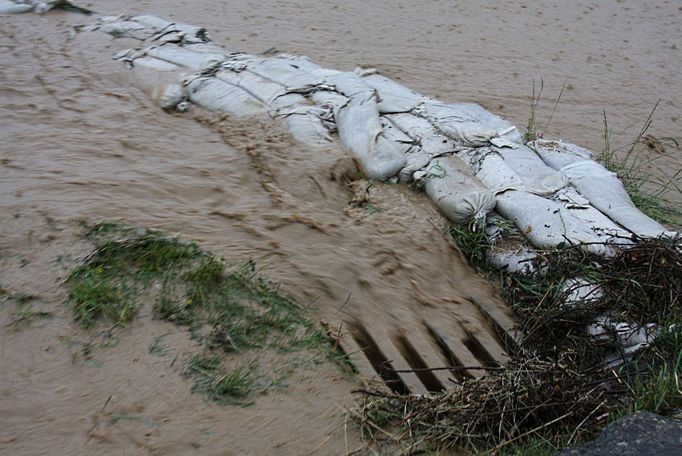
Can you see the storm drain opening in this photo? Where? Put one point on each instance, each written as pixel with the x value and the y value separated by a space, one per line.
pixel 479 351
pixel 421 369
pixel 458 369
pixel 510 342
pixel 380 363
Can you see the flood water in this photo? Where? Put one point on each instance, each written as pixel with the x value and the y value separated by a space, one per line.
pixel 81 141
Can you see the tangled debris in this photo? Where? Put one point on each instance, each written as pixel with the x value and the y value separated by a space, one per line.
pixel 559 386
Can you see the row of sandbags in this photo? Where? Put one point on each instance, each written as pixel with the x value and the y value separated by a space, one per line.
pixel 469 161
pixel 39 6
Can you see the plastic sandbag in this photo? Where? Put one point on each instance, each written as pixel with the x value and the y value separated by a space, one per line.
pixel 577 291
pixel 180 56
pixel 270 93
pixel 468 123
pixel 518 260
pixel 427 142
pixel 606 192
pixel 285 71
pixel 306 124
pixel 151 63
pixel 7 7
pixel 301 62
pixel 161 80
pixel 557 154
pixel 396 135
pixel 508 249
pixel 457 192
pixel 600 224
pixel 216 95
pixel 359 128
pixel 333 100
pixel 423 133
pixel 492 169
pixel 183 32
pixel 415 157
pixel 537 177
pixel 393 97
pixel 545 223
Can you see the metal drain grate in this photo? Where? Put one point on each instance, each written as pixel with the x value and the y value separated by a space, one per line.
pixel 432 354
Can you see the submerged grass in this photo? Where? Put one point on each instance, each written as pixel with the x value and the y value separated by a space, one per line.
pixel 231 309
pixel 234 386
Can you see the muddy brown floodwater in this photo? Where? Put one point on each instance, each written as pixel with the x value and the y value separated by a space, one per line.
pixel 79 142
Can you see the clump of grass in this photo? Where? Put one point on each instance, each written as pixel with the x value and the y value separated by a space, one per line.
pixel 533 129
pixel 157 347
pixel 18 297
pixel 24 317
pixel 473 243
pixel 233 386
pixel 654 378
pixel 232 309
pixel 630 163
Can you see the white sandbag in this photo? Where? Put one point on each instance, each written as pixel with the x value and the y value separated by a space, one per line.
pixel 508 250
pixel 516 261
pixel 394 134
pixel 306 124
pixel 537 177
pixel 7 7
pixel 161 80
pixel 545 223
pixel 628 335
pixel 216 95
pixel 578 291
pixel 416 158
pixel 427 142
pixel 331 99
pixel 600 224
pixel 284 71
pixel 154 64
pixel 557 154
pixel 468 123
pixel 182 32
pixel 423 133
pixel 393 97
pixel 606 192
pixel 350 85
pixel 168 96
pixel 300 62
pixel 153 22
pixel 207 48
pixel 360 130
pixel 183 57
pixel 272 94
pixel 491 169
pixel 457 193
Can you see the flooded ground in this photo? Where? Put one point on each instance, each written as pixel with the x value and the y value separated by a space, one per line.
pixel 81 143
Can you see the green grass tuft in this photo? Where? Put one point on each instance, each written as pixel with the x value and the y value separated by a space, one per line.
pixel 231 309
pixel 233 386
pixel 631 165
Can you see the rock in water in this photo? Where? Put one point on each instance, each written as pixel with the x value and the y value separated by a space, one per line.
pixel 639 434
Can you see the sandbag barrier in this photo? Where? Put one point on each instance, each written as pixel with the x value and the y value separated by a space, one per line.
pixel 38 6
pixel 474 165
pixel 469 161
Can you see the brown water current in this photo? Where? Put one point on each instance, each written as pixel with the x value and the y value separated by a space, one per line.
pixel 80 140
